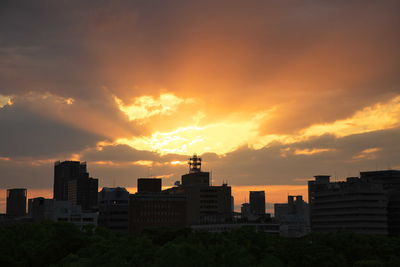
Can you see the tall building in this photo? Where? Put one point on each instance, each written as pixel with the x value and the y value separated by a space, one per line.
pixel 149 209
pixel 72 183
pixel 293 217
pixel 63 173
pixel 16 202
pixel 257 203
pixel 114 208
pixel 205 203
pixel 390 181
pixel 355 205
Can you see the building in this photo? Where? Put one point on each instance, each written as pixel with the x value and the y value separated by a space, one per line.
pixel 114 208
pixel 293 217
pixel 390 181
pixel 63 173
pixel 355 205
pixel 16 202
pixel 206 204
pixel 84 192
pixel 155 210
pixel 257 203
pixel 72 183
pixel 41 209
pixel 149 185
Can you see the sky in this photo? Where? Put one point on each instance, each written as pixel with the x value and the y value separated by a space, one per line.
pixel 269 93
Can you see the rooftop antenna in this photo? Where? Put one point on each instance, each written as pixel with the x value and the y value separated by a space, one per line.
pixel 194 164
pixel 211 178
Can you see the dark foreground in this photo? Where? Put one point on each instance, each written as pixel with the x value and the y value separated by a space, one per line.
pixel 60 244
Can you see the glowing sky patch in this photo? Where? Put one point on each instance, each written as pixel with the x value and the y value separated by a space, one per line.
pixel 219 138
pixel 148 106
pixel 5 100
pixel 378 117
pixel 312 151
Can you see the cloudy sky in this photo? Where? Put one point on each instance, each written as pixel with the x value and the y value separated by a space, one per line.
pixel 269 93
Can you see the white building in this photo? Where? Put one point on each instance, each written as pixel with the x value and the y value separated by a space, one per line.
pixel 60 211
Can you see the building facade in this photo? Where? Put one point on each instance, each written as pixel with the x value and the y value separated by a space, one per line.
pixel 293 217
pixel 390 181
pixel 72 183
pixel 16 202
pixel 257 202
pixel 155 210
pixel 355 205
pixel 206 204
pixel 60 211
pixel 114 208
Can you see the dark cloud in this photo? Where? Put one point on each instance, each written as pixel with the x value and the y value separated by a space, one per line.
pixel 301 57
pixel 278 164
pixel 26 134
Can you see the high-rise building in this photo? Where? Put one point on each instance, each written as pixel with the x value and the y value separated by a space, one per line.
pixel 257 203
pixel 72 183
pixel 205 203
pixel 390 181
pixel 16 202
pixel 150 208
pixel 355 205
pixel 63 173
pixel 113 208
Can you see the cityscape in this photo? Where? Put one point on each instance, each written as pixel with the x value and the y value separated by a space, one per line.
pixel 369 204
pixel 222 133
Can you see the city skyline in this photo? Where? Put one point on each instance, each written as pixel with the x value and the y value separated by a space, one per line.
pixel 269 94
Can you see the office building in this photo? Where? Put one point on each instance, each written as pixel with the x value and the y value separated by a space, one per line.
pixel 293 217
pixel 205 203
pixel 355 205
pixel 41 209
pixel 72 183
pixel 149 185
pixel 114 208
pixel 257 203
pixel 16 202
pixel 390 181
pixel 84 192
pixel 156 210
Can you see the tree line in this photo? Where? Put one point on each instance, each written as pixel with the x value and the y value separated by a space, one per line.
pixel 63 244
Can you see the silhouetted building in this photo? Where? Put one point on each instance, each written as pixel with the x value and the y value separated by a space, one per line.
pixel 257 203
pixel 63 173
pixel 149 185
pixel 205 204
pixel 153 210
pixel 390 181
pixel 355 205
pixel 84 192
pixel 293 217
pixel 72 183
pixel 16 202
pixel 114 208
pixel 41 209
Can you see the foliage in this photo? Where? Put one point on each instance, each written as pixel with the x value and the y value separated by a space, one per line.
pixel 62 244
